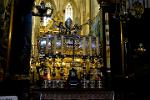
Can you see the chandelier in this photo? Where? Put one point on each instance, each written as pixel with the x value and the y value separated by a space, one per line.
pixel 42 10
pixel 130 8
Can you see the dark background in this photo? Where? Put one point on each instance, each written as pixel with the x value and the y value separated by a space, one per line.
pixel 138 65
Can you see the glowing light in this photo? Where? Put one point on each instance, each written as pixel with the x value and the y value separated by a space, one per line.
pixel 68 12
pixel 63 63
pixel 57 52
pixel 43 42
pixel 35 10
pixel 49 11
pixel 46 20
pixel 78 60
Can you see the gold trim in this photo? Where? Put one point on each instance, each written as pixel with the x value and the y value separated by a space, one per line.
pixel 122 48
pixel 10 35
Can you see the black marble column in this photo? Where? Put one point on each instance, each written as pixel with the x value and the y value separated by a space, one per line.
pixel 1 23
pixel 21 38
pixel 105 7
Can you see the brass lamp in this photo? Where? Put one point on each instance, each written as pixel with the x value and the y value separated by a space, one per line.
pixel 42 10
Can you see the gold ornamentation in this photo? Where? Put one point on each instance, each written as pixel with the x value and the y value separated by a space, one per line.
pixel 138 9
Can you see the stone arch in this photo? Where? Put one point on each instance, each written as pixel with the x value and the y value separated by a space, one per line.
pixel 76 10
pixel 68 11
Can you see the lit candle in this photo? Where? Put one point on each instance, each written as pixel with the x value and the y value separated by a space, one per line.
pixel 62 44
pixel 90 45
pixel 97 45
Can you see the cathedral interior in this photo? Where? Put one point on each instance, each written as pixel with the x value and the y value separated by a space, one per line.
pixel 77 46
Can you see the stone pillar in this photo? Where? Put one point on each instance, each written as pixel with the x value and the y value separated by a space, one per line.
pixel 106 68
pixel 1 22
pixel 21 38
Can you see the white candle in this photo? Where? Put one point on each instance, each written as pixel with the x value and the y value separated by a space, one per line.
pixel 62 44
pixel 90 45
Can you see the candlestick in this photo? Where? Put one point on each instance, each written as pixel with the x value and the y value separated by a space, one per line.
pixel 97 45
pixel 47 41
pixel 84 66
pixel 55 38
pixel 84 46
pixel 62 44
pixel 45 85
pixel 99 81
pixel 90 45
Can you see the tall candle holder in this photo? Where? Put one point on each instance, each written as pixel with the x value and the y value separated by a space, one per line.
pixel 62 44
pixel 92 81
pixel 62 68
pixel 97 46
pixel 73 55
pixel 84 46
pixel 84 80
pixel 54 44
pixel 62 77
pixel 54 85
pixel 45 71
pixel 45 84
pixel 74 36
pixel 53 72
pixel 47 41
pixel 99 76
pixel 90 45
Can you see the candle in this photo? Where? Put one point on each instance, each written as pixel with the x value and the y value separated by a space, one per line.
pixel 90 45
pixel 62 44
pixel 97 45
pixel 84 46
